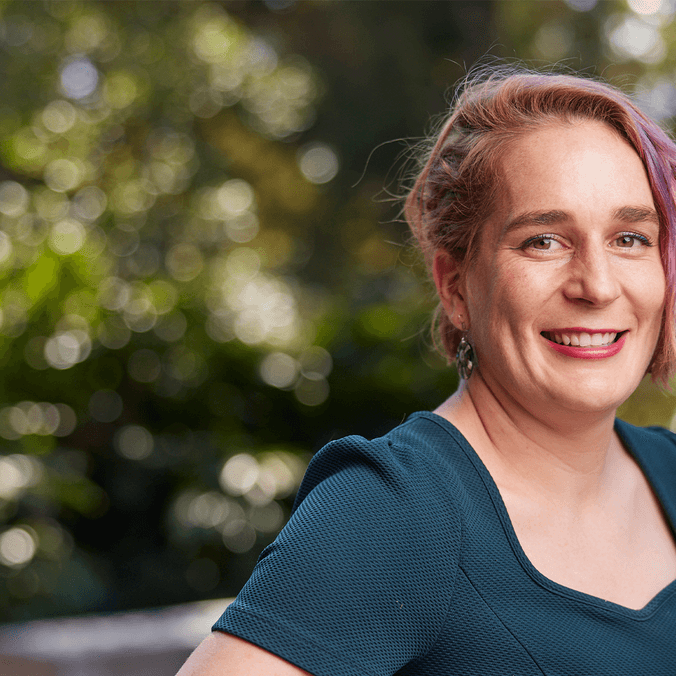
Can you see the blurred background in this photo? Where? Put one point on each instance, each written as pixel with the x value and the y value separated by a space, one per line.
pixel 204 275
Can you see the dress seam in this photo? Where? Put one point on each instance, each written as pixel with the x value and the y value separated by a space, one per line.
pixel 499 619
pixel 296 634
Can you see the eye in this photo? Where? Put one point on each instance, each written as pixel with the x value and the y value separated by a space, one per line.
pixel 629 240
pixel 541 243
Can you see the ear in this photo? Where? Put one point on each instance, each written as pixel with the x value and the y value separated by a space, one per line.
pixel 451 288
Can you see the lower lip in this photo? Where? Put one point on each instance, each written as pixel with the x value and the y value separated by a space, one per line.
pixel 600 352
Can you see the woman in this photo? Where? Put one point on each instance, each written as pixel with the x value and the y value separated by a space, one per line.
pixel 518 529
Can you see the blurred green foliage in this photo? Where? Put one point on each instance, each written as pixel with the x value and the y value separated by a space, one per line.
pixel 202 275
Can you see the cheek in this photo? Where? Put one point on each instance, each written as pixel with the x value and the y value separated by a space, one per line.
pixel 658 311
pixel 505 302
pixel 521 290
pixel 649 291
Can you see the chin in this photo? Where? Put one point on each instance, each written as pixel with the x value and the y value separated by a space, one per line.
pixel 593 397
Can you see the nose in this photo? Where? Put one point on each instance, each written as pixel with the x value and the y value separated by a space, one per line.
pixel 592 279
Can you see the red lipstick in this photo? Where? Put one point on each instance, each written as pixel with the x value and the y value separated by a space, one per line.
pixel 590 352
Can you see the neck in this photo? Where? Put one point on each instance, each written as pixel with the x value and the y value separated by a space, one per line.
pixel 568 456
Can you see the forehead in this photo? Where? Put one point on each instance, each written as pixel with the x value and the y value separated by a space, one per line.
pixel 582 168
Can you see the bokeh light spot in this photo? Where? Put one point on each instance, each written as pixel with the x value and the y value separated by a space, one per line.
pixel 114 293
pixel 50 205
pixel 207 510
pixel 79 78
pixel 267 518
pixel 43 418
pixel 243 228
pixel 645 7
pixel 120 90
pixel 316 362
pixel 134 442
pixel 243 263
pixel 67 348
pixel 89 203
pixel 554 41
pixel 5 247
pixel 241 540
pixel 657 99
pixel 113 333
pixel 311 391
pixel 67 420
pixel 62 351
pixel 67 236
pixel 581 5
pixel 214 39
pixel 239 474
pixel 171 327
pixel 279 369
pixel 18 472
pixel 13 198
pixel 62 175
pixel 633 38
pixel 28 417
pixel 29 147
pixel 18 546
pixel 123 242
pixel 164 294
pixel 140 315
pixel 17 30
pixel 184 262
pixel 235 197
pixel 318 163
pixel 59 116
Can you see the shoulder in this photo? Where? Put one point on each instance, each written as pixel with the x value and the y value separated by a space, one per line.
pixel 367 560
pixel 654 447
pixel 647 438
pixel 414 458
pixel 393 491
pixel 398 491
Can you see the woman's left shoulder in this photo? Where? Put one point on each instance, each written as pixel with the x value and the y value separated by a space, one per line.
pixel 655 444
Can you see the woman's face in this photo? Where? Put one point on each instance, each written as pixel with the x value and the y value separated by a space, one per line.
pixel 566 296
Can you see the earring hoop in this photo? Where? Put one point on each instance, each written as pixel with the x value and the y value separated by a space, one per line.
pixel 465 360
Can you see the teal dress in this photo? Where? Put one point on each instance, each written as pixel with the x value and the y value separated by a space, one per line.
pixel 400 558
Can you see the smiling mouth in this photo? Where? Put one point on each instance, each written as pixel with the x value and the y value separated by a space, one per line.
pixel 582 338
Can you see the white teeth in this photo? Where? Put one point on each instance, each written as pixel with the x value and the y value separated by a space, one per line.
pixel 584 339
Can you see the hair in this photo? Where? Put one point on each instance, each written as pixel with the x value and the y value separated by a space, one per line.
pixel 458 179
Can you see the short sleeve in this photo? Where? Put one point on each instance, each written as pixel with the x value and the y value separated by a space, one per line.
pixel 360 579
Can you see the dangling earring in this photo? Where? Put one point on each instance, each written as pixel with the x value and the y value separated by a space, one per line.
pixel 464 357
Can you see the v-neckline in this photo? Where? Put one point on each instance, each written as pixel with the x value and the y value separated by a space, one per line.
pixel 666 505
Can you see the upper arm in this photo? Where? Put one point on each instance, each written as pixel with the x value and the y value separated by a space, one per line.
pixel 223 654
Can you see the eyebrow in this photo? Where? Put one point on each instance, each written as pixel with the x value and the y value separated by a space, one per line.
pixel 636 215
pixel 535 218
pixel 627 214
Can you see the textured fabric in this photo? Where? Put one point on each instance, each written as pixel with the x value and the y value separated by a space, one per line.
pixel 400 558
